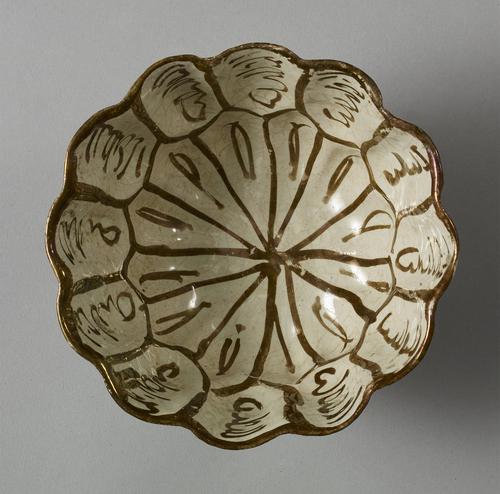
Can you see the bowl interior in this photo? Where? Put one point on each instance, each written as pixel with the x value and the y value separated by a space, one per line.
pixel 250 244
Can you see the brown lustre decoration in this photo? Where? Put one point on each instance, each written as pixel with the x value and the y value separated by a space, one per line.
pixel 250 244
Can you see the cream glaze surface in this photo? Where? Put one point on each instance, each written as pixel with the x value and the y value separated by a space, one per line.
pixel 250 245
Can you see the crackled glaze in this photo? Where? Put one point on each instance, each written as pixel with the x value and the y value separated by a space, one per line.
pixel 250 245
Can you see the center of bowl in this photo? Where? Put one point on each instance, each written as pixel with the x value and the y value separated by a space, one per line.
pixel 277 259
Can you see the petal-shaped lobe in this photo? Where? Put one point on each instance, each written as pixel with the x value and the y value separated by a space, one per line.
pixel 259 80
pixel 154 275
pixel 423 251
pixel 178 99
pixel 110 318
pixel 115 156
pixel 194 316
pixel 334 182
pixel 159 381
pixel 165 221
pixel 342 105
pixel 237 145
pixel 92 239
pixel 235 351
pixel 329 322
pixel 290 355
pixel 333 393
pixel 313 326
pixel 365 230
pixel 242 416
pixel 366 286
pixel 397 336
pixel 183 170
pixel 401 166
pixel 296 144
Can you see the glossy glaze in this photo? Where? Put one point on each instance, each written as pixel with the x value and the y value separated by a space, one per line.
pixel 250 245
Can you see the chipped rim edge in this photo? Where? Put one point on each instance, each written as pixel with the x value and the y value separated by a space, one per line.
pixel 64 279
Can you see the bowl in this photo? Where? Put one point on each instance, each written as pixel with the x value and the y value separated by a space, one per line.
pixel 250 244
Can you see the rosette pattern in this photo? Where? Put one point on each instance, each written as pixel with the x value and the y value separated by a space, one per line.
pixel 250 244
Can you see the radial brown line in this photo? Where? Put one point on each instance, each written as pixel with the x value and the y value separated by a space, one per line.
pixel 260 359
pixel 331 255
pixel 184 317
pixel 279 331
pixel 164 251
pixel 348 210
pixel 316 357
pixel 183 205
pixel 210 281
pixel 241 299
pixel 200 144
pixel 186 166
pixel 352 298
pixel 318 140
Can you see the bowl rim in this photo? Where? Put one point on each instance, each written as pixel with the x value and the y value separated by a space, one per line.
pixel 65 282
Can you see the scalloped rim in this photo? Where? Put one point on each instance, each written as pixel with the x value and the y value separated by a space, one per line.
pixel 183 419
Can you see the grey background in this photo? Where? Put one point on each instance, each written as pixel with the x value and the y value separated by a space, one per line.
pixel 436 431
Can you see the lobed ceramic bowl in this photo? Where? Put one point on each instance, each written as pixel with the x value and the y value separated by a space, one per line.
pixel 250 244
